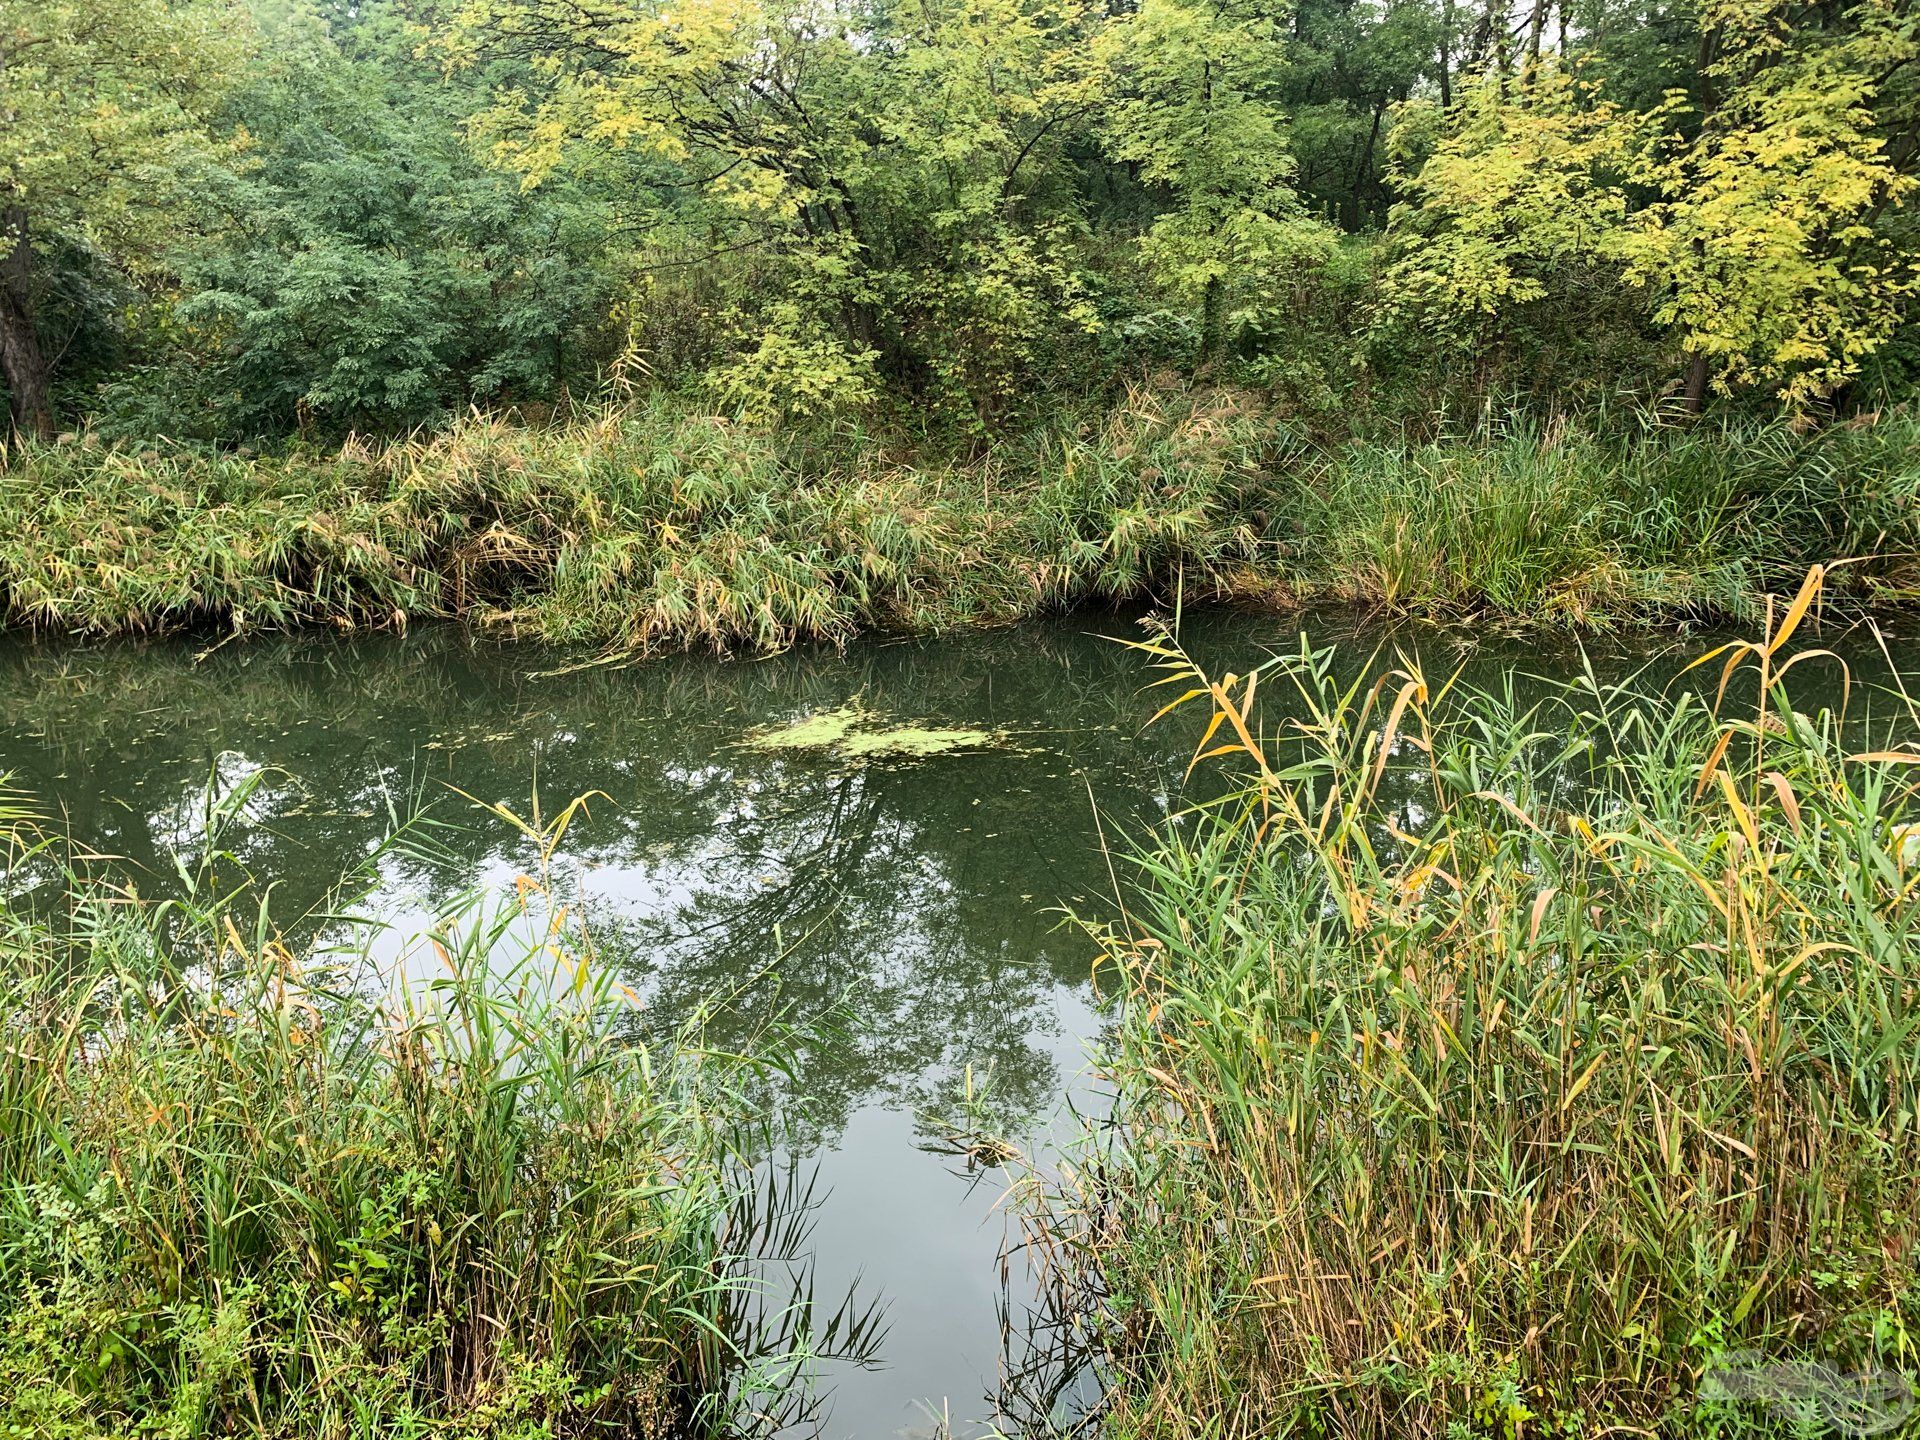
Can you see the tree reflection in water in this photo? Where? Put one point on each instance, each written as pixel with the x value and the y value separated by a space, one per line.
pixel 907 904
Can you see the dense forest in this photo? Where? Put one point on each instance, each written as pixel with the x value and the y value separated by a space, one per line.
pixel 230 223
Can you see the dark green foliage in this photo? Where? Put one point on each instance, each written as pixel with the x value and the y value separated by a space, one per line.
pixel 367 272
pixel 1349 66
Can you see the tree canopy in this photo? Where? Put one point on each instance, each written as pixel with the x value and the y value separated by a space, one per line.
pixel 239 220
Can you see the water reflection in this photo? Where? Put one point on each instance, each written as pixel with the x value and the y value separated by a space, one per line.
pixel 908 903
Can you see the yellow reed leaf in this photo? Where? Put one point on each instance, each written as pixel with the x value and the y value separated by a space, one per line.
pixel 1796 612
pixel 1740 811
pixel 1586 1079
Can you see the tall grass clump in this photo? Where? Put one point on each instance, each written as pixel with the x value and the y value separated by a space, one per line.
pixel 244 1192
pixel 648 528
pixel 1493 1072
pixel 1556 524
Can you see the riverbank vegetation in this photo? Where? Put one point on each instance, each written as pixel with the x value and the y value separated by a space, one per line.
pixel 249 1188
pixel 900 283
pixel 650 528
pixel 1496 1071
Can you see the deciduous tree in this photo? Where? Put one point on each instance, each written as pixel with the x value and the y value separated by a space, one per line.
pixel 103 108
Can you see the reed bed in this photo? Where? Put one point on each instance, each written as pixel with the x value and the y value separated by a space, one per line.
pixel 1495 1072
pixel 242 1192
pixel 654 528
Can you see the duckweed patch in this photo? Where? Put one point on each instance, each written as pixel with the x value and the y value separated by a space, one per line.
pixel 853 732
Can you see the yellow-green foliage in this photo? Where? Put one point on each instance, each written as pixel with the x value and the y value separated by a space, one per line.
pixel 253 220
pixel 882 181
pixel 1745 219
pixel 104 114
pixel 1514 192
pixel 1486 1072
pixel 1763 253
pixel 1189 108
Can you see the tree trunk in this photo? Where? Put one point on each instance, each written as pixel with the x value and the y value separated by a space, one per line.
pixel 25 367
pixel 1696 391
pixel 1365 170
pixel 1536 27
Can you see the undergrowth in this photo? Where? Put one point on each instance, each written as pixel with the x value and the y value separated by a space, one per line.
pixel 256 1187
pixel 652 528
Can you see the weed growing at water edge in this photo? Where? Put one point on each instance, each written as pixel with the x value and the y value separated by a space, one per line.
pixel 253 1187
pixel 1492 1072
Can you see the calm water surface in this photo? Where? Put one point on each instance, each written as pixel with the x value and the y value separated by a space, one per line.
pixel 914 905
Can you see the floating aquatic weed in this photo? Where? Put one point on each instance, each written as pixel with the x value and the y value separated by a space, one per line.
pixel 854 732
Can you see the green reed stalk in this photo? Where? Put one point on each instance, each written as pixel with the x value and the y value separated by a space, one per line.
pixel 1487 1072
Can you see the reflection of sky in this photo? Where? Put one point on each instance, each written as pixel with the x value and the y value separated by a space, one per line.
pixel 905 906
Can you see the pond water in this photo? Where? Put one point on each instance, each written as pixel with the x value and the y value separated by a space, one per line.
pixel 912 904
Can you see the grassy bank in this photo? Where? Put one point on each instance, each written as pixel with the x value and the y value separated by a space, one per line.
pixel 242 1196
pixel 1496 1073
pixel 653 528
